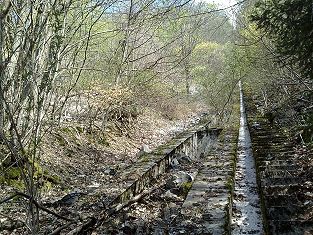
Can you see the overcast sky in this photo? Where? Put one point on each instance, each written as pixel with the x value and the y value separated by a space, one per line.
pixel 223 3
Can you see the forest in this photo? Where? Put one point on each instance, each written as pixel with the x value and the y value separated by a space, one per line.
pixel 90 88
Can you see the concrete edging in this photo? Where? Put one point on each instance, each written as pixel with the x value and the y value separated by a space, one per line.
pixel 193 143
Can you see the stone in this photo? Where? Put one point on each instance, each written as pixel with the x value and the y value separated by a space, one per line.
pixel 171 196
pixel 174 163
pixel 178 179
pixel 181 158
pixel 128 228
pixel 143 150
pixel 69 199
pixel 184 159
pixel 110 171
pixel 256 126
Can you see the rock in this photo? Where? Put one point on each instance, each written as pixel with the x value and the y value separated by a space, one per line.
pixel 69 199
pixel 178 179
pixel 175 191
pixel 270 157
pixel 128 228
pixel 143 150
pixel 172 205
pixel 110 171
pixel 307 203
pixel 256 126
pixel 204 114
pixel 174 163
pixel 179 158
pixel 183 159
pixel 171 196
pixel 93 186
pixel 206 216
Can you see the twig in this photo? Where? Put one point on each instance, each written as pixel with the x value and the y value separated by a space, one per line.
pixel 58 230
pixel 45 209
pixel 36 204
pixel 84 228
pixel 116 208
pixel 75 231
pixel 8 198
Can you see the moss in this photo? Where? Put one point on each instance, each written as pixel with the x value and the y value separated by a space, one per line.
pixel 12 177
pixel 40 173
pixel 12 173
pixel 144 158
pixel 230 184
pixel 227 217
pixel 79 129
pixel 103 141
pixel 55 179
pixel 38 169
pixel 2 180
pixel 18 184
pixel 61 140
pixel 185 188
pixel 67 130
pixel 47 186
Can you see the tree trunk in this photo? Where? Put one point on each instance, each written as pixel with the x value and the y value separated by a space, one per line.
pixel 187 76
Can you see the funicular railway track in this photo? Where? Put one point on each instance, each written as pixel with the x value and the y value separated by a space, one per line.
pixel 234 186
pixel 223 195
pixel 282 187
pixel 205 208
pixel 208 181
pixel 286 195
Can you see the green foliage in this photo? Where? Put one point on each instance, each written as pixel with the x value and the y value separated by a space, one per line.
pixel 216 71
pixel 12 176
pixel 208 59
pixel 288 24
pixel 13 173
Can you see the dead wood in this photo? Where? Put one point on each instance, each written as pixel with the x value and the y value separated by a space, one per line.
pixel 36 204
pixel 58 230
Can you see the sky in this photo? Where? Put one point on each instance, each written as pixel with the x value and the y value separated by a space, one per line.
pixel 223 3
